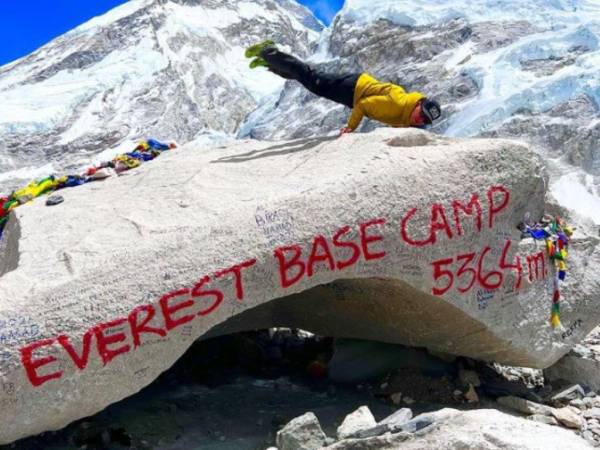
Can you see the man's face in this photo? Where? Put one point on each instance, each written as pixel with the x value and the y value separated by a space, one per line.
pixel 417 119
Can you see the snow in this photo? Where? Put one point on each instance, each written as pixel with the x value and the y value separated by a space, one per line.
pixel 201 20
pixel 42 106
pixel 253 10
pixel 115 14
pixel 263 112
pixel 577 192
pixel 209 140
pixel 406 12
pixel 27 174
pixel 88 120
pixel 231 63
pixel 507 87
pixel 459 55
pixel 107 155
pixel 322 54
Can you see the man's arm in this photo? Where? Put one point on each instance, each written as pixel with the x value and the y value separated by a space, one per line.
pixel 356 117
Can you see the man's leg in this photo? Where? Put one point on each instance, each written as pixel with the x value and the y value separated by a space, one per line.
pixel 338 88
pixel 284 65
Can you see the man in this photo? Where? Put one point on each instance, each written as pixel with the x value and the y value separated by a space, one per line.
pixel 385 102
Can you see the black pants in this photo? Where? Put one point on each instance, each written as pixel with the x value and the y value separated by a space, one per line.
pixel 339 88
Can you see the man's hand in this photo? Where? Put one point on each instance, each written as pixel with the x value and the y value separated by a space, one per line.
pixel 345 130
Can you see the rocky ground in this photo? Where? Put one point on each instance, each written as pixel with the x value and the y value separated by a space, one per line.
pixel 281 388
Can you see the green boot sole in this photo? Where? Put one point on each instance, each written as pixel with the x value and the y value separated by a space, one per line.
pixel 255 49
pixel 258 62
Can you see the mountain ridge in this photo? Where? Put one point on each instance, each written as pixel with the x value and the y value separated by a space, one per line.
pixel 169 69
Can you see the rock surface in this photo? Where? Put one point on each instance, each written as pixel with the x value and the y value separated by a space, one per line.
pixel 100 294
pixel 569 417
pixel 302 433
pixel 359 420
pixel 581 365
pixel 399 417
pixel 525 406
pixel 482 429
pixel 354 360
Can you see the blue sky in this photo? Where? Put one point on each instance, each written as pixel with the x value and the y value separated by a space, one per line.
pixel 26 25
pixel 324 9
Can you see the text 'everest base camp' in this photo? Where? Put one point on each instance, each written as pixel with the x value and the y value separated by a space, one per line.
pixel 461 239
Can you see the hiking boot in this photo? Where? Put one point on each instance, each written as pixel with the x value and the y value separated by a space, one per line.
pixel 254 50
pixel 258 62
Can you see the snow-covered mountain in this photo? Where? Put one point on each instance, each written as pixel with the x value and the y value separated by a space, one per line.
pixel 171 69
pixel 528 69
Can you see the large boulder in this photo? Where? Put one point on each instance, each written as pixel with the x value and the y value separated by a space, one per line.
pixel 396 235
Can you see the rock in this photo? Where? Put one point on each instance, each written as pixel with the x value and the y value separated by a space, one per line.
pixel 548 420
pixel 361 360
pixel 408 400
pixel 575 369
pixel 446 357
pixel 479 429
pixel 594 428
pixel 520 376
pixel 525 406
pixel 593 413
pixel 471 395
pixel 569 417
pixel 588 436
pixel 566 395
pixel 582 351
pixel 469 377
pixel 359 420
pixel 495 382
pixel 391 424
pixel 399 417
pixel 81 332
pixel 396 398
pixel 302 433
pixel 54 200
pixel 577 403
pixel 426 419
pixel 386 441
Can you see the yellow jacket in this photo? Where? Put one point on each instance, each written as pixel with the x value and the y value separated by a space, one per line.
pixel 384 102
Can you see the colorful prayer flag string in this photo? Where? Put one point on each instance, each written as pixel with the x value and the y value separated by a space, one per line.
pixel 145 151
pixel 557 236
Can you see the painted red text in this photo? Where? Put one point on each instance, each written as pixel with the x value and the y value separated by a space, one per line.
pixel 439 224
pixel 341 253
